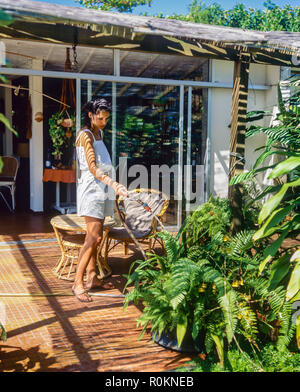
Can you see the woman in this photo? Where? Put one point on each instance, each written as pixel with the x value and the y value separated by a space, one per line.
pixel 94 187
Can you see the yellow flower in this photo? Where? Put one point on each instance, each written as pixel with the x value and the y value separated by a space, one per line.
pixel 241 282
pixel 235 283
pixel 239 316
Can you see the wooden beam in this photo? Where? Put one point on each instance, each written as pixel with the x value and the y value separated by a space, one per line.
pixel 87 60
pixel 139 73
pixel 237 135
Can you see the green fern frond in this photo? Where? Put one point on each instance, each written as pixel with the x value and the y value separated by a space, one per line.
pixel 287 327
pixel 198 318
pixel 171 245
pixel 248 320
pixel 242 242
pixel 182 273
pixel 228 304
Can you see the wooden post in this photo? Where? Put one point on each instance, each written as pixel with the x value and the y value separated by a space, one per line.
pixel 237 135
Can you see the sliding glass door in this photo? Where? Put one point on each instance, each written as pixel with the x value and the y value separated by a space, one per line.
pixel 147 137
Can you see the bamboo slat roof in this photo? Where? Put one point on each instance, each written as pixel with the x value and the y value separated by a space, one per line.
pixel 55 23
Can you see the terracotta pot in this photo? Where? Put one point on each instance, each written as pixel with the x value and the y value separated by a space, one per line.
pixel 67 122
pixel 68 133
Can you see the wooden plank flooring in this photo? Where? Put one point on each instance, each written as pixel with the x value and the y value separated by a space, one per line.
pixel 60 333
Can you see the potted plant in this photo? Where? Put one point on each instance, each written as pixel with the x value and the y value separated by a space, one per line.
pixel 62 130
pixel 209 286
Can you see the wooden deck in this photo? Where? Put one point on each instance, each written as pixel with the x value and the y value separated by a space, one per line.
pixel 58 333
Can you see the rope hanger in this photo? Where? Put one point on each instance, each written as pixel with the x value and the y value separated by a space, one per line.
pixel 67 88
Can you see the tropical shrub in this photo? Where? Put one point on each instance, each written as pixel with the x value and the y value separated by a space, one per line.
pixel 209 284
pixel 269 359
pixel 279 217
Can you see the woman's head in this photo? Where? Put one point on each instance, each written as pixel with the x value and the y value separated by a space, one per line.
pixel 97 112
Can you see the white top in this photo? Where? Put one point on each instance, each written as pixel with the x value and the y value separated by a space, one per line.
pixel 103 160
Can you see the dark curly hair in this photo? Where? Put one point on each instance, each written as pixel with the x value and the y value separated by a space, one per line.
pixel 94 106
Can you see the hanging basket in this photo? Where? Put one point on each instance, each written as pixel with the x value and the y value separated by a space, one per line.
pixel 62 130
pixel 67 123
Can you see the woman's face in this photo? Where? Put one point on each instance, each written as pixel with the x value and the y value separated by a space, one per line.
pixel 99 120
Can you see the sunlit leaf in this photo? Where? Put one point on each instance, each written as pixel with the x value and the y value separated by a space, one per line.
pixel 181 331
pixel 285 167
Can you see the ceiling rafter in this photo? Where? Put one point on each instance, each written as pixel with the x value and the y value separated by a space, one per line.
pixel 86 61
pixel 139 73
pixel 50 51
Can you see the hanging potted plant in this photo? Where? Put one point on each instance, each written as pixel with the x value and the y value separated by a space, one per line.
pixel 62 127
pixel 62 130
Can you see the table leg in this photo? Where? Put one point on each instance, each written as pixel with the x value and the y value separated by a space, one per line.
pixel 104 268
pixel 58 194
pixel 68 193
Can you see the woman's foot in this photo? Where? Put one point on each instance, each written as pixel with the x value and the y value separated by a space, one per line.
pixel 81 294
pixel 93 282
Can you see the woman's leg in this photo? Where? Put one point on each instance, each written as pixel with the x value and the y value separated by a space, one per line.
pixel 87 256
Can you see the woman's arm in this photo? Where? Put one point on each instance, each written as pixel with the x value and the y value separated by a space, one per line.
pixel 86 141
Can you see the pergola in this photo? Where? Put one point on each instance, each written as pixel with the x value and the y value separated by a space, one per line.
pixel 56 24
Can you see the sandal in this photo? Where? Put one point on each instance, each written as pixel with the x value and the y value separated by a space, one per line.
pixel 101 285
pixel 81 292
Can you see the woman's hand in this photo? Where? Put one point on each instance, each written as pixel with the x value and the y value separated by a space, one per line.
pixel 120 189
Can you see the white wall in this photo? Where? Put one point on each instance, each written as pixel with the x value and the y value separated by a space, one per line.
pixel 221 105
pixel 36 141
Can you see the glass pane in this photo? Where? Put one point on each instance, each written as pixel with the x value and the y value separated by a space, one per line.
pixel 93 89
pixel 147 135
pixel 194 185
pixel 158 66
pixel 147 121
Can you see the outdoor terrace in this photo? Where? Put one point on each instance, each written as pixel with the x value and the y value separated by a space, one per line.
pixel 58 333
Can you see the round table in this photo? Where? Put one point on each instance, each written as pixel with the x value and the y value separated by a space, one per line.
pixel 70 232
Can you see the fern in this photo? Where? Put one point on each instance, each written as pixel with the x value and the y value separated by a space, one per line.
pixel 242 241
pixel 182 273
pixel 228 303
pixel 287 327
pixel 198 317
pixel 248 320
pixel 171 245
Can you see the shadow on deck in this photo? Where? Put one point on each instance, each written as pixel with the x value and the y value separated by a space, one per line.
pixel 58 333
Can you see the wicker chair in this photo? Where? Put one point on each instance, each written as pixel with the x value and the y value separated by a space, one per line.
pixel 142 223
pixel 70 243
pixel 8 179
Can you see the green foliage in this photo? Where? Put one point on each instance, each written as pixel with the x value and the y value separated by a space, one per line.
pixel 5 18
pixel 209 219
pixel 279 215
pixel 115 5
pixel 138 138
pixel 59 134
pixel 269 359
pixel 271 18
pixel 209 284
pixel 3 335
